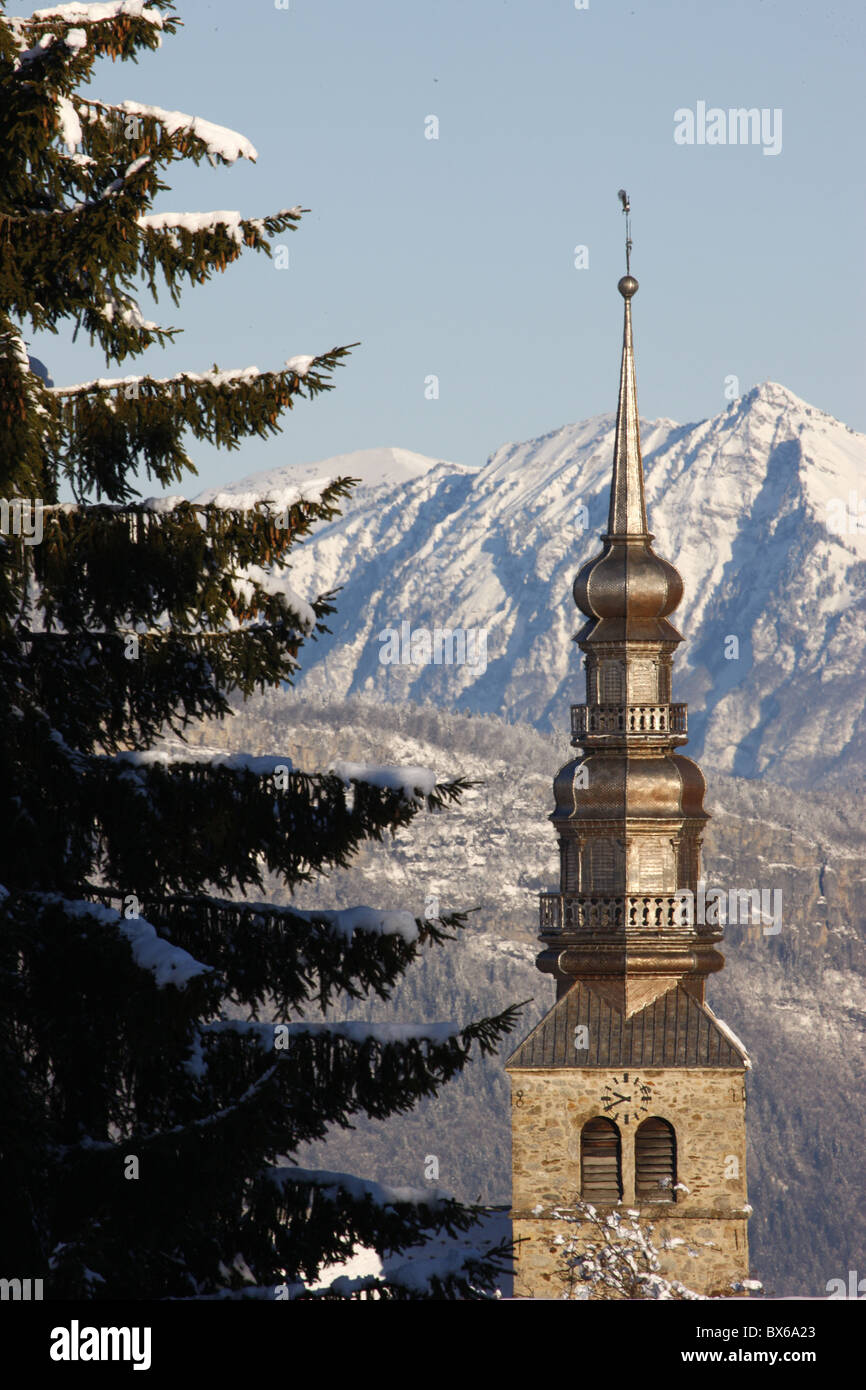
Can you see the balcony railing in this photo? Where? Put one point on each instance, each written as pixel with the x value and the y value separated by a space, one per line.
pixel 632 912
pixel 627 719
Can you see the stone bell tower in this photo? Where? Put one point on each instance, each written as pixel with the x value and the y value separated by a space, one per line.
pixel 630 1093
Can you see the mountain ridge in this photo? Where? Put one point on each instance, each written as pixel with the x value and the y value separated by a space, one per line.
pixel 745 504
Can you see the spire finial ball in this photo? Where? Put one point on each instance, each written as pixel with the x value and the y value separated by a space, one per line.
pixel 627 286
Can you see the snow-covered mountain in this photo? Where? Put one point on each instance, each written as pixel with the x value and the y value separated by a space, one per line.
pixel 373 467
pixel 759 508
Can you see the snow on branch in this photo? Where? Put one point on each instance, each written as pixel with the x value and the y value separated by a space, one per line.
pixel 68 133
pixel 411 782
pixel 96 13
pixel 246 581
pixel 265 766
pixel 457 1267
pixel 128 312
pixel 415 1277
pixel 219 141
pixel 287 497
pixel 421 1273
pixel 75 39
pixel 300 365
pixel 36 50
pixel 239 376
pixel 280 498
pixel 233 377
pixel 342 922
pixel 170 965
pixel 346 921
pixel 230 222
pixel 70 125
pixel 359 1189
pixel 14 351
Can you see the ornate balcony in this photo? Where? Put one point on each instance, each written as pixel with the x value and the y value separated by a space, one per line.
pixel 599 720
pixel 573 914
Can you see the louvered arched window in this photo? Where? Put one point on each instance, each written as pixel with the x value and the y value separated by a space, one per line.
pixel 655 1161
pixel 606 865
pixel 611 683
pixel 642 682
pixel 600 1162
pixel 652 861
pixel 570 850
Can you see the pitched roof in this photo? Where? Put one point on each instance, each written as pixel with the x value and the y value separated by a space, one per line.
pixel 672 1031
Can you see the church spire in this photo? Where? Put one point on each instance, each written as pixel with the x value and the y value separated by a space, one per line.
pixel 627 504
pixel 629 808
pixel 628 591
pixel 627 517
pixel 629 1090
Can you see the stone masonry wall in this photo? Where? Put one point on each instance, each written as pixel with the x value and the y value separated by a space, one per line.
pixel 707 1110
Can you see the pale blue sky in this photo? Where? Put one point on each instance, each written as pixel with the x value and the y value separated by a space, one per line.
pixel 455 256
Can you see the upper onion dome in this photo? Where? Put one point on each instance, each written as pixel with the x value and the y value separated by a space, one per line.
pixel 628 580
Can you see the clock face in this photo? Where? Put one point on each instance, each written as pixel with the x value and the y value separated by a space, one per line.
pixel 626 1098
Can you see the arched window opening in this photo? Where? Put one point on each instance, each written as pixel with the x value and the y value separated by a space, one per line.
pixel 600 1162
pixel 606 866
pixel 655 1161
pixel 642 683
pixel 652 863
pixel 611 683
pixel 571 866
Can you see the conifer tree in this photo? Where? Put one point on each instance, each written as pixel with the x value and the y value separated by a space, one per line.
pixel 150 1116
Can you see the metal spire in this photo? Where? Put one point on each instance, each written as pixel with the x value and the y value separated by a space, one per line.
pixel 627 515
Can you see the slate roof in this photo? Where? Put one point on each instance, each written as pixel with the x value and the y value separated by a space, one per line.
pixel 673 1031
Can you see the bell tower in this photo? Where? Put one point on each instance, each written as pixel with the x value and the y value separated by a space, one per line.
pixel 630 1093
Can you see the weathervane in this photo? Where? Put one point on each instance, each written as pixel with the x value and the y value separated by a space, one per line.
pixel 626 207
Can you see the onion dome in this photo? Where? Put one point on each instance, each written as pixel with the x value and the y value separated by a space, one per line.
pixel 658 788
